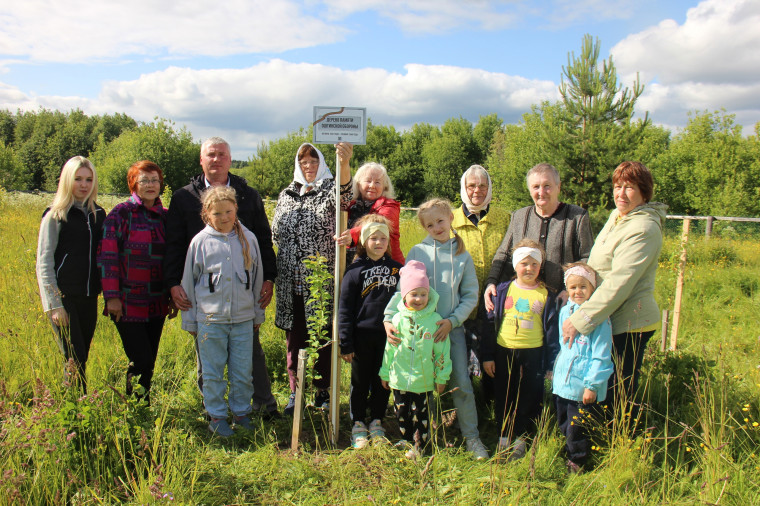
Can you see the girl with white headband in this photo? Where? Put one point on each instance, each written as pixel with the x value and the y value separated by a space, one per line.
pixel 582 370
pixel 369 283
pixel 519 348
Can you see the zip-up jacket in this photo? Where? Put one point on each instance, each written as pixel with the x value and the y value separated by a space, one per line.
pixel 130 259
pixel 367 287
pixel 390 209
pixel 183 222
pixel 481 240
pixel 451 275
pixel 548 321
pixel 66 255
pixel 216 281
pixel 588 364
pixel 418 363
pixel 567 239
pixel 625 255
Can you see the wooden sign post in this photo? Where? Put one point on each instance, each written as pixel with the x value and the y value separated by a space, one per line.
pixel 333 125
pixel 679 285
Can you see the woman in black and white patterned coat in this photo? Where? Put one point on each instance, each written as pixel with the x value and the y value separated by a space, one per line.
pixel 303 225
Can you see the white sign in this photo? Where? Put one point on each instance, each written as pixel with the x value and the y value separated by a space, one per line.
pixel 340 124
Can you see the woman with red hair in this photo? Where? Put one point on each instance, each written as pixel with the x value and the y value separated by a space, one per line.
pixel 131 262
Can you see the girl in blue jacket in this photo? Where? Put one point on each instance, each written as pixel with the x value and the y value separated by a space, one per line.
pixel 582 369
pixel 223 278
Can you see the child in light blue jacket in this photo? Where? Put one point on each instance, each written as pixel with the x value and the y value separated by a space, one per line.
pixel 581 370
pixel 222 278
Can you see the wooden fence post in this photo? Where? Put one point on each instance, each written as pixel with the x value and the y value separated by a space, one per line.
pixel 679 285
pixel 664 332
pixel 298 411
pixel 709 226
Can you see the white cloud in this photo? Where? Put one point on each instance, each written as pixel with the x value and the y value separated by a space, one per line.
pixel 83 31
pixel 709 62
pixel 716 44
pixel 265 101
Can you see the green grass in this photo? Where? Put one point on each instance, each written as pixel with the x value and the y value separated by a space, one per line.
pixel 699 439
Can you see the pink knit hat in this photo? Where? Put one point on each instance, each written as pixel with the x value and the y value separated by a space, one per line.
pixel 413 275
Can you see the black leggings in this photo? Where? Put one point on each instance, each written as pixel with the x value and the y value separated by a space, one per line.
pixel 140 341
pixel 518 389
pixel 366 387
pixel 74 340
pixel 413 417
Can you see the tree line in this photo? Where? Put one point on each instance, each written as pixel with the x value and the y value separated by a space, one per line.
pixel 709 168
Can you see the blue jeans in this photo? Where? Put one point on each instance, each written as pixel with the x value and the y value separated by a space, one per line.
pixel 229 344
pixel 464 399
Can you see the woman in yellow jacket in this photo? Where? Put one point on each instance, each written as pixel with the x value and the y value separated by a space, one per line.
pixel 482 229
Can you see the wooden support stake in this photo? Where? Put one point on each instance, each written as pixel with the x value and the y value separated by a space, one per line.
pixel 679 285
pixel 664 331
pixel 298 410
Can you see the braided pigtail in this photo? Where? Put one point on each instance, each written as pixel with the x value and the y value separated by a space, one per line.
pixel 245 244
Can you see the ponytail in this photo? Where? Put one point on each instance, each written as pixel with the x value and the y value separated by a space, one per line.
pixel 461 248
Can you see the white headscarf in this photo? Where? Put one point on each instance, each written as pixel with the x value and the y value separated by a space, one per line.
pixel 475 169
pixel 322 173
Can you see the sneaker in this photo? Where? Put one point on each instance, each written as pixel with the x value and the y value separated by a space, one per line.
pixel 573 468
pixel 291 406
pixel 273 414
pixel 476 447
pixel 376 431
pixel 403 444
pixel 220 427
pixel 359 438
pixel 518 451
pixel 244 422
pixel 412 453
pixel 502 447
pixel 322 399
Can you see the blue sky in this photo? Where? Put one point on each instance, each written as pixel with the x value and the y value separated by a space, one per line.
pixel 251 70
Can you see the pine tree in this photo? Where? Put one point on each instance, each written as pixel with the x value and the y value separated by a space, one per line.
pixel 597 131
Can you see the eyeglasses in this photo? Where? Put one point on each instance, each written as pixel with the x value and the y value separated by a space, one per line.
pixel 146 182
pixel 306 163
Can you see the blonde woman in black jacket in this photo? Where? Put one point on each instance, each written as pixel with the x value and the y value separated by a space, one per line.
pixel 67 270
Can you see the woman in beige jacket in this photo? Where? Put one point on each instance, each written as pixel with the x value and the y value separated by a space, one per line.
pixel 625 255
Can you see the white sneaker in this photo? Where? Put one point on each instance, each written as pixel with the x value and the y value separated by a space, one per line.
pixel 413 453
pixel 359 437
pixel 376 432
pixel 476 447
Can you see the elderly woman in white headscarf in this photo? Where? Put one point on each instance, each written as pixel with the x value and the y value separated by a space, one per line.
pixel 304 225
pixel 482 228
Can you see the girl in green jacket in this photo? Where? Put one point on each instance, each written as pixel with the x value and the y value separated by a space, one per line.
pixel 418 364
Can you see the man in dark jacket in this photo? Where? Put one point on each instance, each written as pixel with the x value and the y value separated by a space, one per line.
pixel 184 222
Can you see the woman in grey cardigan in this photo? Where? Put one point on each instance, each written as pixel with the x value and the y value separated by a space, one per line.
pixel 562 229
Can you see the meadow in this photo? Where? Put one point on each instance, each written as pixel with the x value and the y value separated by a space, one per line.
pixel 698 439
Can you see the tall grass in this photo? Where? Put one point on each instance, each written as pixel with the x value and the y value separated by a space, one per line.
pixel 697 438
